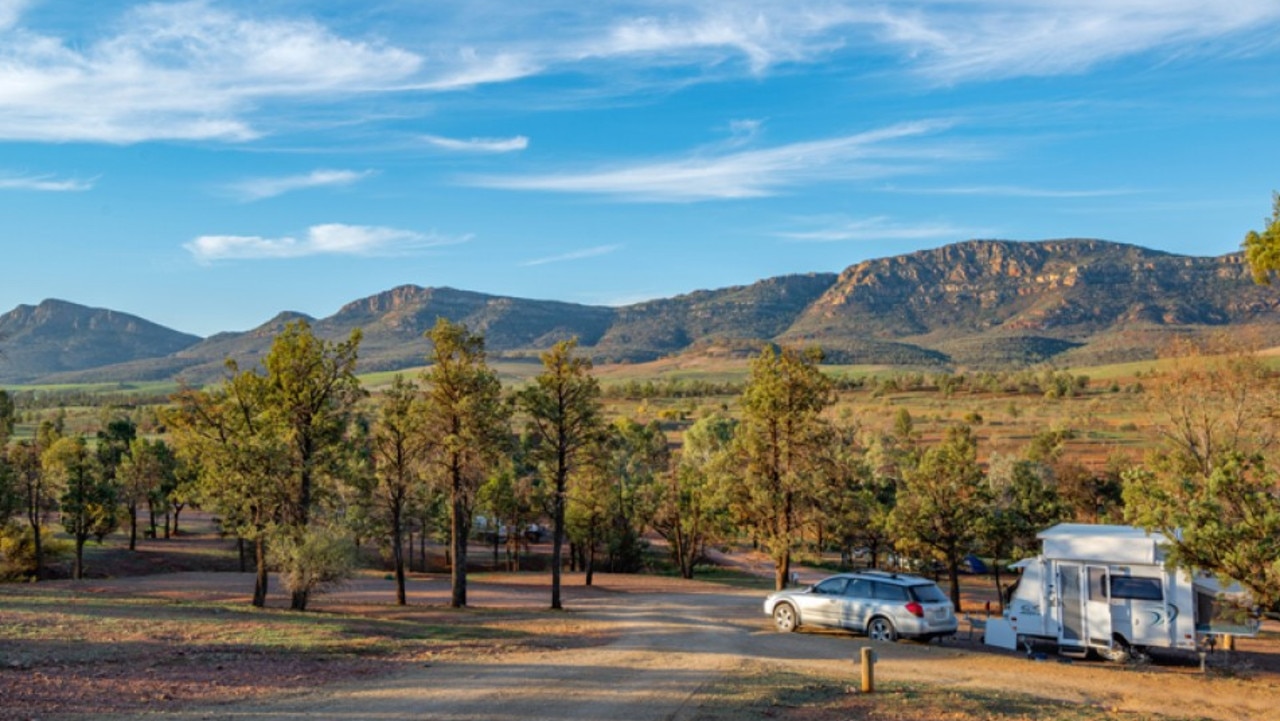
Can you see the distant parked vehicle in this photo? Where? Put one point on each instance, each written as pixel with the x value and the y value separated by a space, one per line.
pixel 884 606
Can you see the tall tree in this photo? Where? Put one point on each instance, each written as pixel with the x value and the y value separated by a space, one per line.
pixel 635 455
pixel 1023 501
pixel 147 468
pixel 36 491
pixel 690 511
pixel 467 428
pixel 1263 249
pixel 399 445
pixel 564 414
pixel 1227 523
pixel 241 458
pixel 781 430
pixel 1209 488
pixel 86 495
pixel 312 391
pixel 942 503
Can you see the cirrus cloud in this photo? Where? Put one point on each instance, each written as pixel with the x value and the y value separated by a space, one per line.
pixel 326 239
pixel 753 173
pixel 44 183
pixel 263 188
pixel 479 145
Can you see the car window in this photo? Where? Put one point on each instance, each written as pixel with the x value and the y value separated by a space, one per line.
pixel 831 586
pixel 889 592
pixel 859 588
pixel 928 593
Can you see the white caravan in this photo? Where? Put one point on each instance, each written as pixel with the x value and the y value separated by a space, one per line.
pixel 1106 588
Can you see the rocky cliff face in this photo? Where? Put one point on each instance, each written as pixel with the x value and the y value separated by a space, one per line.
pixel 1063 289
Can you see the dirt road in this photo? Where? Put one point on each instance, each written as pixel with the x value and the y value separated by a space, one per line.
pixel 668 646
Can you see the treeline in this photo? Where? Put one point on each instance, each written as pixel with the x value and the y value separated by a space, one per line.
pixel 300 465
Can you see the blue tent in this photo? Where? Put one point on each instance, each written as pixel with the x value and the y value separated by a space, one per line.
pixel 973 564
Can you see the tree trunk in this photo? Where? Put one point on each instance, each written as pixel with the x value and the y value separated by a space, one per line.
pixel 422 547
pixel 557 542
pixel 460 523
pixel 590 561
pixel 782 571
pixel 995 568
pixel 397 551
pixel 953 573
pixel 39 549
pixel 133 525
pixel 260 579
pixel 177 509
pixel 77 571
pixel 298 600
pixel 240 552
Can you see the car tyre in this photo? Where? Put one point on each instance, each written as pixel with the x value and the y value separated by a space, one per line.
pixel 784 617
pixel 881 629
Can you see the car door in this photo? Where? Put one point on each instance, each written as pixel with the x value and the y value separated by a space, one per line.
pixel 855 604
pixel 821 605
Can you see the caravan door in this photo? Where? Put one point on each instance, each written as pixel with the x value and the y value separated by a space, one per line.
pixel 1097 607
pixel 1070 606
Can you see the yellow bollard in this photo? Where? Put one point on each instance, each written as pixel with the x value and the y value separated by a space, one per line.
pixel 868 669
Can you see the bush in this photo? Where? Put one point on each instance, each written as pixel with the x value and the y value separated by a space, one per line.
pixel 315 560
pixel 18 551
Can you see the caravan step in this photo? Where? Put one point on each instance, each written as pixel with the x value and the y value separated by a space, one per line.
pixel 1073 651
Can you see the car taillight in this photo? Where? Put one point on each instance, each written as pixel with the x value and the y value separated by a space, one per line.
pixel 915 609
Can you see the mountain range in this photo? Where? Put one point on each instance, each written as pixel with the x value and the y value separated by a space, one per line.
pixel 976 304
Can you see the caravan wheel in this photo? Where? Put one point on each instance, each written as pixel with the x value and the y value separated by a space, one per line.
pixel 1120 651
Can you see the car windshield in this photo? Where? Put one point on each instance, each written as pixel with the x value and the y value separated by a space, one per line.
pixel 928 593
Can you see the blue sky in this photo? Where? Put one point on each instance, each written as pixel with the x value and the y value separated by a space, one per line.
pixel 208 164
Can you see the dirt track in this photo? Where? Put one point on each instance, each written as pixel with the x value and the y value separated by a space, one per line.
pixel 670 643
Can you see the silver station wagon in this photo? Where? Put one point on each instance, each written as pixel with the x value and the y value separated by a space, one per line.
pixel 884 606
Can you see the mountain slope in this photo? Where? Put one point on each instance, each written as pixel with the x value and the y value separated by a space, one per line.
pixel 1036 299
pixel 60 336
pixel 980 303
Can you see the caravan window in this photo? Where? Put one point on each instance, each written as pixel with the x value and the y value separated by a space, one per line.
pixel 1138 589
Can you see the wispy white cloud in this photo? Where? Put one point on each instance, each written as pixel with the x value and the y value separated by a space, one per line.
pixel 989 39
pixel 328 239
pixel 1018 191
pixel 262 188
pixel 836 229
pixel 182 70
pixel 10 11
pixel 197 70
pixel 44 183
pixel 574 255
pixel 749 173
pixel 479 145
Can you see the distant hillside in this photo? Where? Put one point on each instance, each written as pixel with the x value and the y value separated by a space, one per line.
pixel 762 310
pixel 995 302
pixel 977 304
pixel 59 336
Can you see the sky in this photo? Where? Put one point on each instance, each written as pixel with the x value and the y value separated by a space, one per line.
pixel 207 164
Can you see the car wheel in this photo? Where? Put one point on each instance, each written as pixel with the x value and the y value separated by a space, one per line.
pixel 881 629
pixel 784 617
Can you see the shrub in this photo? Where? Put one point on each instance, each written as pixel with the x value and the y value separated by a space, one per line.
pixel 315 560
pixel 18 551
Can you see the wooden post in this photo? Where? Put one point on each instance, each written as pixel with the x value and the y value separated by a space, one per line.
pixel 868 669
pixel 1228 642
